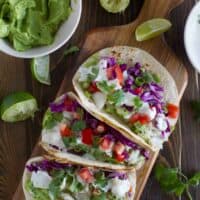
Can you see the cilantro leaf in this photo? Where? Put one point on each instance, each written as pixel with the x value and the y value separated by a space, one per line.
pixel 54 186
pixel 104 87
pixel 92 61
pixel 70 50
pixel 101 196
pixel 137 102
pixel 78 126
pixel 195 179
pixel 100 179
pixel 196 108
pixel 116 97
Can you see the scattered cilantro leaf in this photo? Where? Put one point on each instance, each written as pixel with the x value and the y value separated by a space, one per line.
pixel 172 180
pixel 71 50
pixel 195 179
pixel 78 126
pixel 92 61
pixel 100 179
pixel 196 108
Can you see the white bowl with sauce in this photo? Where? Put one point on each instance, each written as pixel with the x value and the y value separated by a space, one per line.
pixel 64 33
pixel 192 36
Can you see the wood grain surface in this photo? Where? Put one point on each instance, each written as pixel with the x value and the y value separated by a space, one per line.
pixel 18 140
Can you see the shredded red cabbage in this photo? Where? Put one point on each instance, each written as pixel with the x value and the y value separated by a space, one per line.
pixel 46 165
pixel 135 71
pixel 120 175
pixel 123 67
pixel 111 60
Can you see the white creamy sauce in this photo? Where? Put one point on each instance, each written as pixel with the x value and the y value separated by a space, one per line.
pixel 102 75
pixel 125 75
pixel 84 72
pixel 41 179
pixel 99 99
pixel 128 99
pixel 53 137
pixel 161 122
pixel 120 187
pixel 134 157
pixel 115 82
pixel 66 196
pixel 68 115
pixel 147 110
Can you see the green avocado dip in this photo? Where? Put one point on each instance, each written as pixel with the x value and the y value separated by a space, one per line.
pixel 30 23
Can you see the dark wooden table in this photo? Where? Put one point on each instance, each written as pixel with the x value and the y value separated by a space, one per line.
pixel 17 140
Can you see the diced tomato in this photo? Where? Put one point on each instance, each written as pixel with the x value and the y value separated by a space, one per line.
pixel 68 102
pixel 109 72
pixel 120 157
pixel 106 143
pixel 93 88
pixel 100 128
pixel 86 175
pixel 119 74
pixel 173 111
pixel 138 90
pixel 76 115
pixel 64 130
pixel 87 136
pixel 143 119
pixel 119 148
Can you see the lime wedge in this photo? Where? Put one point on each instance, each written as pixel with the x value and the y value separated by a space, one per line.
pixel 18 106
pixel 152 28
pixel 40 69
pixel 114 6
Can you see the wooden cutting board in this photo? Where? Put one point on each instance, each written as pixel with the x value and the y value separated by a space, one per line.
pixel 124 35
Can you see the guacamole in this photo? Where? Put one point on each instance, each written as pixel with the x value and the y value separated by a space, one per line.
pixel 30 23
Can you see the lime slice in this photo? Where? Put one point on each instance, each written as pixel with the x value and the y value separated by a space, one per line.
pixel 114 6
pixel 152 28
pixel 18 106
pixel 40 69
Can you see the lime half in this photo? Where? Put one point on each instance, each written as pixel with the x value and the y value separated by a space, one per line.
pixel 40 69
pixel 152 28
pixel 114 6
pixel 18 106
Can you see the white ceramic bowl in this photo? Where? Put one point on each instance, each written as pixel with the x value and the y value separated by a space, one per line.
pixel 192 36
pixel 62 36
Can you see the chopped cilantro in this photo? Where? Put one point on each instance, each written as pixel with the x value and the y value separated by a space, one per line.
pixel 104 87
pixel 78 126
pixel 51 119
pixel 92 61
pixel 116 97
pixel 100 179
pixel 137 102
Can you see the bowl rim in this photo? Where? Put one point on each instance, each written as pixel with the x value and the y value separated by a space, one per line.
pixel 24 54
pixel 187 26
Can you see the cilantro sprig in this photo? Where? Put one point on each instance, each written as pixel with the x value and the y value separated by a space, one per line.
pixel 173 181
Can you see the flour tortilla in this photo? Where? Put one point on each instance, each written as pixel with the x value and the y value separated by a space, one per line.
pixel 27 174
pixel 72 158
pixel 130 56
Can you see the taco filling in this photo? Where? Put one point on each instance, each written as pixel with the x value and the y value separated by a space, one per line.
pixel 51 180
pixel 67 127
pixel 132 94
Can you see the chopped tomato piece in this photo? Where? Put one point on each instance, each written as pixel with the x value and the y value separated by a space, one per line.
pixel 100 128
pixel 138 90
pixel 109 72
pixel 76 115
pixel 86 175
pixel 64 130
pixel 143 119
pixel 173 110
pixel 119 148
pixel 119 74
pixel 87 136
pixel 93 88
pixel 120 157
pixel 68 102
pixel 106 143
